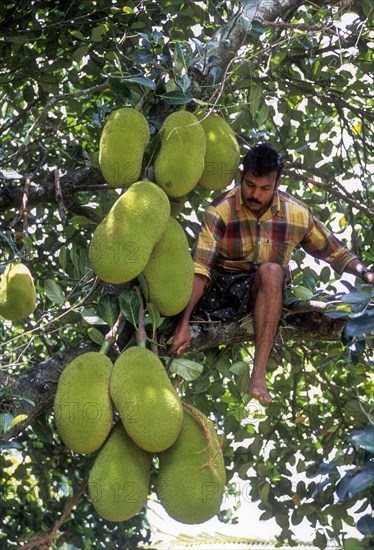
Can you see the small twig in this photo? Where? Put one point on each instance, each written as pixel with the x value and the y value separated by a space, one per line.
pixel 50 104
pixel 24 208
pixel 45 542
pixel 59 197
pixel 334 192
pixel 141 335
pixel 111 336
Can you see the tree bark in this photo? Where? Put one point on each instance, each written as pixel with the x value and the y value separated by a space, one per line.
pixel 38 386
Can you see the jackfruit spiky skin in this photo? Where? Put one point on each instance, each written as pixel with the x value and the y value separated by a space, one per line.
pixel 83 408
pixel 119 479
pixel 17 292
pixel 123 241
pixel 122 143
pixel 222 153
pixel 148 405
pixel 191 477
pixel 170 271
pixel 180 161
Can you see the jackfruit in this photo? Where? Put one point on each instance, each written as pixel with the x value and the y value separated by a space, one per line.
pixel 122 143
pixel 191 477
pixel 17 292
pixel 180 162
pixel 123 241
pixel 170 271
pixel 119 479
pixel 148 404
pixel 222 152
pixel 82 406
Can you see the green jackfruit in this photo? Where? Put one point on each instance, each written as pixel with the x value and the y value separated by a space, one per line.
pixel 123 241
pixel 180 161
pixel 17 292
pixel 83 408
pixel 191 477
pixel 222 153
pixel 119 479
pixel 148 404
pixel 170 271
pixel 123 140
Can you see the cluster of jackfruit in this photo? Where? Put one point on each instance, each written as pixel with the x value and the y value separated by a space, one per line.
pixel 139 236
pixel 196 149
pixel 17 292
pixel 152 422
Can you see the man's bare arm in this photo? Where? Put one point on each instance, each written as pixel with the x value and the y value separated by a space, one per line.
pixel 357 268
pixel 181 333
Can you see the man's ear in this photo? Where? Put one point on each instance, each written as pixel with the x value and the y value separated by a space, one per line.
pixel 241 175
pixel 278 182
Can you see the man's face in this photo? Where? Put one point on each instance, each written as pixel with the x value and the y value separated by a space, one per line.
pixel 257 192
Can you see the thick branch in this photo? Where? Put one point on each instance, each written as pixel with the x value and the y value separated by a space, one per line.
pixel 71 183
pixel 38 386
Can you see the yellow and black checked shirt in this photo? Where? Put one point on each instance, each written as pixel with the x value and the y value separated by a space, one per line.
pixel 232 237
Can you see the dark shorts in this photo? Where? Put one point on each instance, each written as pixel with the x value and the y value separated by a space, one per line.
pixel 226 297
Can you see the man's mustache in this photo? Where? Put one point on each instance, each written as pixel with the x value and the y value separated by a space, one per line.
pixel 254 201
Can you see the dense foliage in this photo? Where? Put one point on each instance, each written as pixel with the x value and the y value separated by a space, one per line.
pixel 298 76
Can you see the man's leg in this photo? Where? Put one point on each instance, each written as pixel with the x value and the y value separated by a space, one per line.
pixel 266 301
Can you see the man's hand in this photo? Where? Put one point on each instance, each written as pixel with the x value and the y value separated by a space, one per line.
pixel 368 277
pixel 181 339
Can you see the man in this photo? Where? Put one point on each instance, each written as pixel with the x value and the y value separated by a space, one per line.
pixel 242 257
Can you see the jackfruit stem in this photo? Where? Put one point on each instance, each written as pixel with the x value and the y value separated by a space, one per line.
pixel 211 453
pixel 105 347
pixel 141 335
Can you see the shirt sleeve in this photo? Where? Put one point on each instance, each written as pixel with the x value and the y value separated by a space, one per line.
pixel 208 242
pixel 320 243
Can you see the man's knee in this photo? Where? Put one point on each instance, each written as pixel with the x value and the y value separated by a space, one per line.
pixel 270 273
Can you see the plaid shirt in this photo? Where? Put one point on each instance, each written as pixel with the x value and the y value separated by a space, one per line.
pixel 232 237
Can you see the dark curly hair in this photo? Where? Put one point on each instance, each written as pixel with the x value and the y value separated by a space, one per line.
pixel 263 159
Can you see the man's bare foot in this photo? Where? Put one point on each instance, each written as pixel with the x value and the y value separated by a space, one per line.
pixel 257 389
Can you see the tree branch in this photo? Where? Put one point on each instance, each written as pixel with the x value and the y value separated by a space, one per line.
pixel 369 212
pixel 71 183
pixel 302 321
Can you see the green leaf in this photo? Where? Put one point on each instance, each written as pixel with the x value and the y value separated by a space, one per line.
pixel 130 304
pixel 155 317
pixel 108 309
pixel 239 367
pixel 177 97
pixel 141 81
pixel 62 257
pixel 91 317
pixel 356 298
pixel 96 336
pixel 183 55
pixel 366 525
pixel 6 420
pixel 97 33
pixel 54 292
pixel 302 293
pixel 363 438
pixel 119 87
pixel 362 324
pixel 80 52
pixel 186 369
pixel 81 221
pixel 77 34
